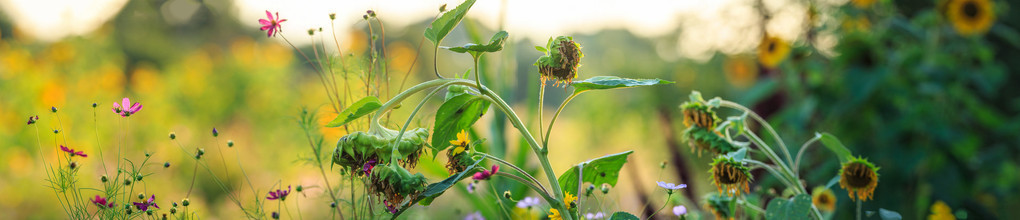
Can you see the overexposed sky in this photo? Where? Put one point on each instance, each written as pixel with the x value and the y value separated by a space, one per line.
pixel 725 25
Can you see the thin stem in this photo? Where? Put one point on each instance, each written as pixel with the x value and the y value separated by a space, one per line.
pixel 763 123
pixel 772 169
pixel 499 201
pixel 541 111
pixel 529 184
pixel 318 71
pixel 531 178
pixel 752 206
pixel 660 208
pixel 99 145
pixel 322 171
pixel 545 142
pixel 788 173
pixel 800 153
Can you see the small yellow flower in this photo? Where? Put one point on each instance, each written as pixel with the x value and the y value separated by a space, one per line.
pixel 554 214
pixel 941 211
pixel 569 199
pixel 859 177
pixel 462 139
pixel 772 51
pixel 824 199
pixel 971 17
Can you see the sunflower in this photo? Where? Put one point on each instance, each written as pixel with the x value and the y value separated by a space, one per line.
pixel 457 160
pixel 941 211
pixel 824 199
pixel 860 177
pixel 569 199
pixel 971 17
pixel 772 51
pixel 554 214
pixel 862 4
pixel 698 114
pixel 730 175
pixel 561 60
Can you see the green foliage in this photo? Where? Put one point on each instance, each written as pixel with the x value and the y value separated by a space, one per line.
pixel 798 207
pixel 613 82
pixel 456 114
pixel 835 146
pixel 360 108
pixel 495 44
pixel 605 169
pixel 623 216
pixel 446 22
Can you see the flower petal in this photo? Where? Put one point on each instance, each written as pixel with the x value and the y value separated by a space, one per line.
pixel 264 22
pixel 270 15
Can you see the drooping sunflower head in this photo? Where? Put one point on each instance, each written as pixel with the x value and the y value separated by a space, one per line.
pixel 394 184
pixel 970 17
pixel 699 114
pixel 824 199
pixel 561 60
pixel 702 139
pixel 730 176
pixel 772 51
pixel 859 177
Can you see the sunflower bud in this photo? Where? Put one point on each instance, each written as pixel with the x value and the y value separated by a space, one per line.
pixel 859 177
pixel 561 60
pixel 730 176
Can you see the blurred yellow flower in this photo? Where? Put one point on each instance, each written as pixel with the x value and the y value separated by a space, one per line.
pixel 772 51
pixel 554 214
pixel 741 71
pixel 941 211
pixel 569 199
pixel 824 199
pixel 971 17
pixel 524 214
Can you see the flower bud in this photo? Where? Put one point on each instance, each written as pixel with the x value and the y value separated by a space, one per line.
pixel 104 178
pixel 276 215
pixel 174 204
pixel 127 182
pixel 53 109
pixel 94 104
pixel 173 210
pixel 56 131
pixel 185 202
pixel 605 189
pixel 370 13
pixel 173 136
pixel 299 188
pixel 332 205
pixel 73 165
pixel 141 196
pixel 591 188
pixel 442 8
pixel 506 194
pixel 311 31
pixel 663 165
pixel 148 212
pixel 148 154
pixel 332 16
pixel 230 143
pixel 364 17
pixel 166 165
pixel 215 133
pixel 138 177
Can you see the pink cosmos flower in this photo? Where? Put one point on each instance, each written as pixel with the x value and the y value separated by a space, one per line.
pixel 484 175
pixel 279 194
pixel 124 110
pixel 72 152
pixel 272 25
pixel 144 205
pixel 102 202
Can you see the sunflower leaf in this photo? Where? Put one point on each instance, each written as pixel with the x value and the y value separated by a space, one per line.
pixel 361 108
pixel 446 22
pixel 623 216
pixel 798 207
pixel 456 114
pixel 605 169
pixel 830 141
pixel 613 82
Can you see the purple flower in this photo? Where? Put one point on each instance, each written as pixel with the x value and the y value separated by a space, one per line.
pixel 144 206
pixel 484 175
pixel 102 202
pixel 392 208
pixel 367 168
pixel 474 216
pixel 597 215
pixel 32 120
pixel 279 194
pixel 471 187
pixel 670 186
pixel 272 24
pixel 679 210
pixel 124 110
pixel 72 152
pixel 528 202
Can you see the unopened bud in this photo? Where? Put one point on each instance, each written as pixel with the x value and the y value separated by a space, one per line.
pixel 53 109
pixel 185 202
pixel 141 196
pixel 215 133
pixel 104 178
pixel 173 136
pixel 370 13
pixel 299 188
pixel 332 16
pixel 506 194
pixel 94 104
pixel 166 165
pixel 73 165
pixel 311 31
pixel 230 143
pixel 442 8
pixel 605 189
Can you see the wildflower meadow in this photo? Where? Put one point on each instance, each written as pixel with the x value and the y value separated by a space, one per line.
pixel 498 109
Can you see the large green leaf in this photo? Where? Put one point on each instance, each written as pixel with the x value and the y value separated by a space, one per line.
pixel 597 171
pixel 612 82
pixel 361 108
pixel 495 44
pixel 446 22
pixel 623 216
pixel 798 207
pixel 835 146
pixel 456 114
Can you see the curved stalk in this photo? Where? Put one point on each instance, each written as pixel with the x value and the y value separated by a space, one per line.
pixel 800 153
pixel 545 142
pixel 534 187
pixel 763 123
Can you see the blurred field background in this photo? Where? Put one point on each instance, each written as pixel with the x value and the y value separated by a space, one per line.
pixel 939 113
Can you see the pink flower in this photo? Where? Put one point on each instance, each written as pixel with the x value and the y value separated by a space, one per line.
pixel 273 25
pixel 279 194
pixel 72 152
pixel 484 175
pixel 124 110
pixel 102 202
